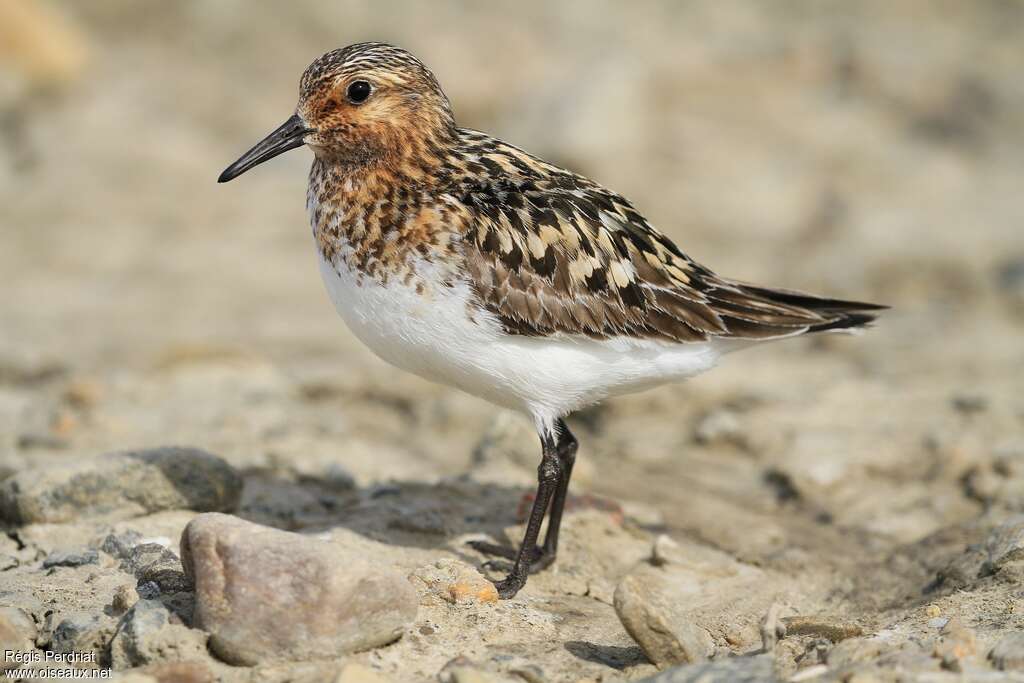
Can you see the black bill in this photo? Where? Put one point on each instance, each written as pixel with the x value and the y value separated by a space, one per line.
pixel 288 136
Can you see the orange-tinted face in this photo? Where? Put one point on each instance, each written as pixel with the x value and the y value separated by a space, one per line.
pixel 363 104
pixel 371 104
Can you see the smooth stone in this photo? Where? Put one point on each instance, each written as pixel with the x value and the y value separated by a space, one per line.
pixel 120 485
pixel 1005 546
pixel 1008 653
pixel 666 636
pixel 269 595
pixel 690 600
pixel 71 557
pixel 17 635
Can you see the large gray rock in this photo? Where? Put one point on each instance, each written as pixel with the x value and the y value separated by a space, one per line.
pixel 120 485
pixel 265 594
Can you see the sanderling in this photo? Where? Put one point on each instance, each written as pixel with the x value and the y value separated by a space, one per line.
pixel 467 261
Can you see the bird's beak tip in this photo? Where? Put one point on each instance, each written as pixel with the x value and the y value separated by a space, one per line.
pixel 288 136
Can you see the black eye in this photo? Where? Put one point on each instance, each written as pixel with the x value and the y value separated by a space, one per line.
pixel 358 91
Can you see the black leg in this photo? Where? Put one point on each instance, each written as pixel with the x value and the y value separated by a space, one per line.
pixel 566 452
pixel 559 454
pixel 548 474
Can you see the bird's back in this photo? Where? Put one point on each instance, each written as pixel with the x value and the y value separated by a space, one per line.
pixel 550 252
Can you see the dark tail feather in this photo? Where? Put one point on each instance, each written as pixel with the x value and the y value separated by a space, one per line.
pixel 845 321
pixel 838 314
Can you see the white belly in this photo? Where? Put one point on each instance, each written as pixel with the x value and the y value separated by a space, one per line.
pixel 431 334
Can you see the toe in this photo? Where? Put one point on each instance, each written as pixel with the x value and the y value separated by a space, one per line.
pixel 493 549
pixel 508 587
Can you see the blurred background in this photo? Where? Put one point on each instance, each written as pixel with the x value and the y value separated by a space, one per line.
pixel 869 150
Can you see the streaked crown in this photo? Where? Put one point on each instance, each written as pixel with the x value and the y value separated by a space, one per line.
pixel 372 100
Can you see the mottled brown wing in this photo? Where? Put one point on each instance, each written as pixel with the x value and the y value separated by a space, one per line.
pixel 551 252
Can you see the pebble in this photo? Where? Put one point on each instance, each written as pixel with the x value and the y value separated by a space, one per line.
pixel 665 551
pixel 964 568
pixel 1008 654
pixel 17 634
pixel 152 563
pixel 957 642
pixel 720 427
pixel 694 597
pixel 149 633
pixel 86 633
pixel 71 557
pixel 124 597
pixel 659 622
pixel 970 403
pixel 120 545
pixel 120 485
pixel 454 581
pixel 821 627
pixel 755 669
pixel 1005 545
pixel 269 595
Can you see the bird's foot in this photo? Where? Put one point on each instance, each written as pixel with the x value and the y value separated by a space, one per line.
pixel 509 586
pixel 540 559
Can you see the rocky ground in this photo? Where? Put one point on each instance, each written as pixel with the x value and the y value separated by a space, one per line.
pixel 205 477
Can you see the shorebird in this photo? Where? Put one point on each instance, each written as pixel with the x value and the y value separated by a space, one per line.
pixel 467 261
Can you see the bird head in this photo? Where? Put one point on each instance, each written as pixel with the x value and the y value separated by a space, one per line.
pixel 365 104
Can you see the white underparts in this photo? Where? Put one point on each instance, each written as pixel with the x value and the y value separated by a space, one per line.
pixel 435 330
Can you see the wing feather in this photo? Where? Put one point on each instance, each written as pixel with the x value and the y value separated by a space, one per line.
pixel 550 252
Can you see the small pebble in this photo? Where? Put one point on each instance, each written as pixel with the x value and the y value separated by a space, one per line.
pixel 720 426
pixel 1005 545
pixel 124 597
pixel 1008 654
pixel 454 581
pixel 71 557
pixel 968 404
